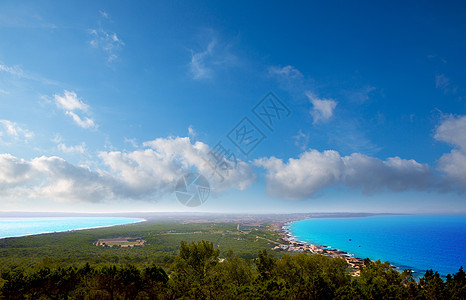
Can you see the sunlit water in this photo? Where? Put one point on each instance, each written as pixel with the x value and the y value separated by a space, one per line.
pixel 13 227
pixel 414 242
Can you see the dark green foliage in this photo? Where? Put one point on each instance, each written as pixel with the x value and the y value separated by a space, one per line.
pixel 193 274
pixel 433 286
pixel 265 264
pixel 154 280
pixel 198 272
pixel 456 285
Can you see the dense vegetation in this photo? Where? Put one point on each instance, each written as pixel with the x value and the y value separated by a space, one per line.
pixel 198 273
pixel 163 240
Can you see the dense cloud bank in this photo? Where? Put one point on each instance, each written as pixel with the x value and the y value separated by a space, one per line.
pixel 141 174
pixel 153 171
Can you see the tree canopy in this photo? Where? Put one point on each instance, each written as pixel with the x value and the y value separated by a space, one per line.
pixel 199 273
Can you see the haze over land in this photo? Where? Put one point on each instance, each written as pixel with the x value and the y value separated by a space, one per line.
pixel 104 106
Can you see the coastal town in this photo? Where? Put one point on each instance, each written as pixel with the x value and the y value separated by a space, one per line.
pixel 292 245
pixel 286 242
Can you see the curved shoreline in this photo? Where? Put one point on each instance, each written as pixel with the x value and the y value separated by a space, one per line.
pixel 139 220
pixel 350 258
pixel 297 245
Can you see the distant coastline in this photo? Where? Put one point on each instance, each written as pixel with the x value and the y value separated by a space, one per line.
pixel 13 227
pixel 295 245
pixel 402 240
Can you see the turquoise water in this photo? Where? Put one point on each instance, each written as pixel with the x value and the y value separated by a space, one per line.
pixel 415 242
pixel 13 227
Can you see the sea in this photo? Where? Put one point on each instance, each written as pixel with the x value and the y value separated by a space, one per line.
pixel 411 242
pixel 14 227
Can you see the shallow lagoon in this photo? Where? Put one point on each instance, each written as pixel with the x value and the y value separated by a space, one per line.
pixel 14 227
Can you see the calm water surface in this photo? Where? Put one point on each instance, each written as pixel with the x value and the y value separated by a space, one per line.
pixel 415 242
pixel 13 227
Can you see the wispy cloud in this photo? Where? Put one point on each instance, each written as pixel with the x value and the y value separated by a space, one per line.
pixel 70 104
pixel 132 142
pixel 322 109
pixel 191 132
pixel 18 72
pixel 199 62
pixel 344 132
pixel 289 72
pixel 14 70
pixel 105 40
pixel 11 131
pixel 443 82
pixel 81 148
pixel 301 140
pixel 360 95
pixel 18 18
pixel 104 14
pixel 215 55
pixel 292 80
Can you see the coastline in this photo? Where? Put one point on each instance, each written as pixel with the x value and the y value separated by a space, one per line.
pixel 140 220
pixel 295 245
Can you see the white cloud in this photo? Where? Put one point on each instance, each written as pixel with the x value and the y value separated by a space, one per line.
pixel 132 142
pixel 108 42
pixel 11 131
pixel 180 151
pixel 301 140
pixel 191 132
pixel 84 122
pixel 303 177
pixel 70 103
pixel 322 109
pixel 81 148
pixel 65 182
pixel 289 72
pixel 142 174
pixel 14 171
pixel 14 70
pixel 312 171
pixel 198 65
pixel 452 130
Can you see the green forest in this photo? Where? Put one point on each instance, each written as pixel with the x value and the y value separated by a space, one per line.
pixel 76 248
pixel 198 273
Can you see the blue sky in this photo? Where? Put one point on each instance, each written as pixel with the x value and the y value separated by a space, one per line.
pixel 104 106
